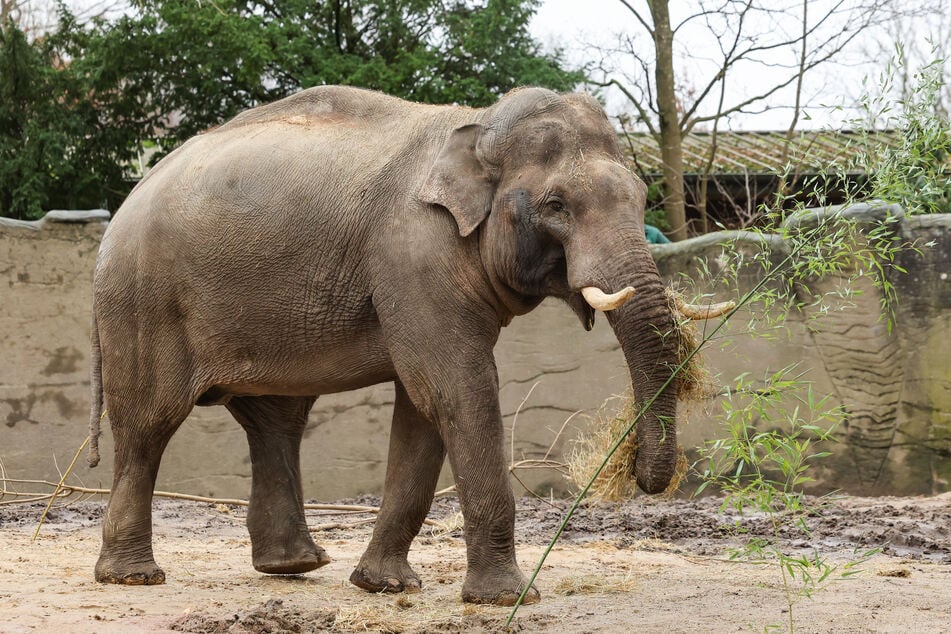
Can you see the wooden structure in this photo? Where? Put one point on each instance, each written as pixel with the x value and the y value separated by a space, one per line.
pixel 748 169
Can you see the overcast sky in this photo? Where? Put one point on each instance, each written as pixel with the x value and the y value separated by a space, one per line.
pixel 830 91
pixel 575 25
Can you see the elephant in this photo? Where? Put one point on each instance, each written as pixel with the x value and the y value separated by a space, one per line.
pixel 340 238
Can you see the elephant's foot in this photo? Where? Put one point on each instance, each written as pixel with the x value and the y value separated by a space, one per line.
pixel 134 574
pixel 289 553
pixel 288 561
pixel 498 588
pixel 393 575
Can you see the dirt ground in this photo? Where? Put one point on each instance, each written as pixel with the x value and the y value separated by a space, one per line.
pixel 647 566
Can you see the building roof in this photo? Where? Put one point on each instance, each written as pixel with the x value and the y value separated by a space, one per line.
pixel 810 151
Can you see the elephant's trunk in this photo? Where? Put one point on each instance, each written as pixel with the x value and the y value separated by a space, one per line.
pixel 645 328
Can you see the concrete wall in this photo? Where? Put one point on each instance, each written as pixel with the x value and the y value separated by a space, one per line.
pixel 895 386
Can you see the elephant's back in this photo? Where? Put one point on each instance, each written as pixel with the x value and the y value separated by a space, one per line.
pixel 264 202
pixel 337 105
pixel 315 154
pixel 289 196
pixel 236 242
pixel 260 214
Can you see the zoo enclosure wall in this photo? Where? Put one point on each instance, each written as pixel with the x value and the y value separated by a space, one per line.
pixel 895 386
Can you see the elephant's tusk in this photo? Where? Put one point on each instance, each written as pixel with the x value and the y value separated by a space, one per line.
pixel 704 312
pixel 599 300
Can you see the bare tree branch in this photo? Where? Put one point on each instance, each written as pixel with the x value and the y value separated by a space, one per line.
pixel 802 69
pixel 785 39
pixel 644 116
pixel 720 77
pixel 639 17
pixel 706 13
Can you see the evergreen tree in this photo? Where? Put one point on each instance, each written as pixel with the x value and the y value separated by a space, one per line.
pixel 77 107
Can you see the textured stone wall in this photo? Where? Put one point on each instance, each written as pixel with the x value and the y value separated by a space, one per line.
pixel 895 386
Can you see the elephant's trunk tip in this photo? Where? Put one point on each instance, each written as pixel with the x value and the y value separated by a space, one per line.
pixel 667 483
pixel 628 468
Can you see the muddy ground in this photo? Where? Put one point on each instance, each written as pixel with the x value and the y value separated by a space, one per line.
pixel 645 566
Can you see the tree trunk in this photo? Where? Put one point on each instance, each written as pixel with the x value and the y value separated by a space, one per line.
pixel 787 179
pixel 671 148
pixel 702 203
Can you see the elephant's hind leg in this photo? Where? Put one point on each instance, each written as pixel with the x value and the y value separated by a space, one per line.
pixel 280 541
pixel 415 457
pixel 126 555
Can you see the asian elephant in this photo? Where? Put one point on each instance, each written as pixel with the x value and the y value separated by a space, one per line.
pixel 340 238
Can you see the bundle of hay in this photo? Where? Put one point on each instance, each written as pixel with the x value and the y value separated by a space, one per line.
pixel 694 381
pixel 616 481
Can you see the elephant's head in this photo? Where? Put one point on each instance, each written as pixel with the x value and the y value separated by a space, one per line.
pixel 542 178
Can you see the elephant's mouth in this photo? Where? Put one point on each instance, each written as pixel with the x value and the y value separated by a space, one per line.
pixel 552 278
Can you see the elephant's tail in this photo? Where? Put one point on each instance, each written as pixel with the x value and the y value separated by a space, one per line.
pixel 96 416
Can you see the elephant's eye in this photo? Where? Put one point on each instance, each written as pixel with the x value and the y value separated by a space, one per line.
pixel 555 205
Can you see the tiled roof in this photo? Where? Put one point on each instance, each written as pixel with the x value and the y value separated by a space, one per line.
pixel 760 152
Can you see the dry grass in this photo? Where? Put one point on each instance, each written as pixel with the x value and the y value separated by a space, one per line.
pixel 373 618
pixel 595 584
pixel 616 481
pixel 448 525
pixel 654 545
pixel 405 614
pixel 898 571
pixel 694 382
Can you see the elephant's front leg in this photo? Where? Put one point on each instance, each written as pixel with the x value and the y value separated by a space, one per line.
pixel 476 452
pixel 454 382
pixel 440 342
pixel 280 541
pixel 415 458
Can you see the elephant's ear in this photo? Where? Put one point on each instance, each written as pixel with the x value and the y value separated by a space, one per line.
pixel 459 181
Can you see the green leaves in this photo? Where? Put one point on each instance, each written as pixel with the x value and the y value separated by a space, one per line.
pixel 56 151
pixel 915 173
pixel 761 464
pixel 78 107
pixel 22 172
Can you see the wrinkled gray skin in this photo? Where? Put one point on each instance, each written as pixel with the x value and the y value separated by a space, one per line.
pixel 341 238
